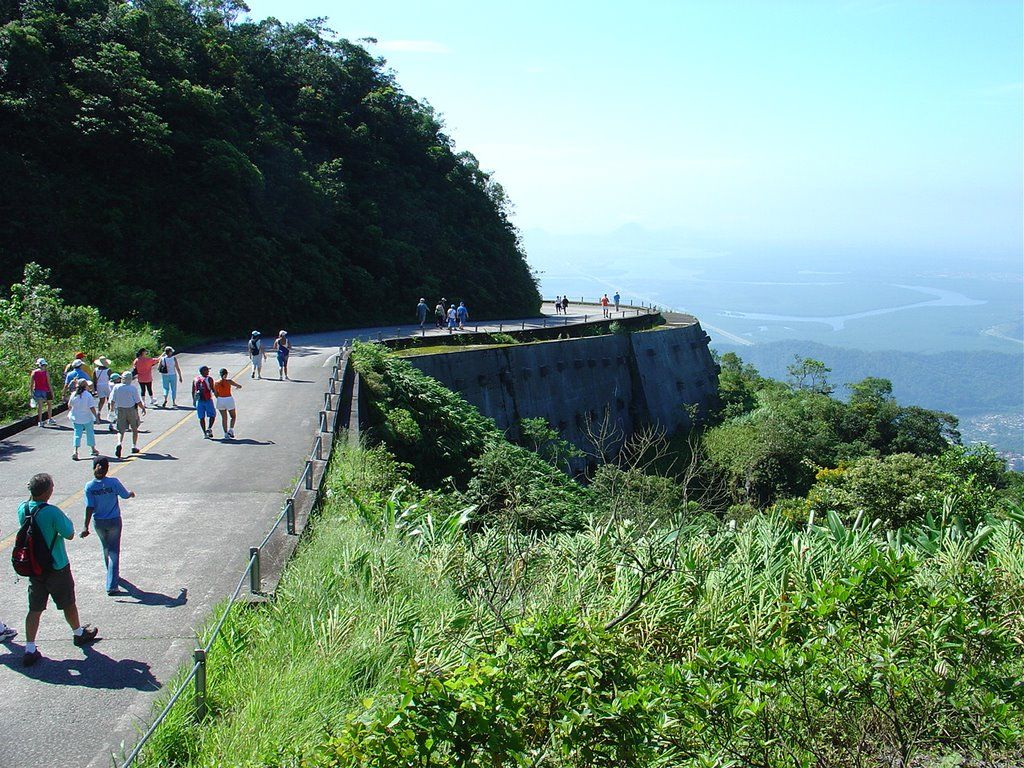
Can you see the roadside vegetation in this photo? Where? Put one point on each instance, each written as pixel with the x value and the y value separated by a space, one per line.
pixel 853 597
pixel 35 321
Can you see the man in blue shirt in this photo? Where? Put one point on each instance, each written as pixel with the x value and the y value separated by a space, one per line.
pixel 463 314
pixel 57 581
pixel 421 312
pixel 73 375
pixel 616 298
pixel 102 508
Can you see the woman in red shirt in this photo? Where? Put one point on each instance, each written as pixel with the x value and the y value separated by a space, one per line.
pixel 42 392
pixel 143 366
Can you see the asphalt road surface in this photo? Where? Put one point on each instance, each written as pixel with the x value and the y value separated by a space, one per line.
pixel 200 505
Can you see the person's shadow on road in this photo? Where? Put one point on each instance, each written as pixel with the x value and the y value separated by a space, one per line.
pixel 93 670
pixel 9 451
pixel 244 441
pixel 155 456
pixel 143 597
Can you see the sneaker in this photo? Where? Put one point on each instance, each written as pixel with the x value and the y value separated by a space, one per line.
pixel 31 658
pixel 42 423
pixel 117 451
pixel 209 434
pixel 88 636
pixel 135 449
pixel 51 423
pixel 74 457
pixel 231 433
pixel 8 634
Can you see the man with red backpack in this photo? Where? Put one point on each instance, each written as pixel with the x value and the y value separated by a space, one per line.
pixel 39 553
pixel 202 397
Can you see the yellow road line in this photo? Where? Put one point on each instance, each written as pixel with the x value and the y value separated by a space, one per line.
pixel 77 495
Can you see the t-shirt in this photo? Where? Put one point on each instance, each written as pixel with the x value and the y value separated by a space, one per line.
pixel 40 380
pixel 52 524
pixel 102 495
pixel 125 396
pixel 76 373
pixel 144 369
pixel 80 408
pixel 462 312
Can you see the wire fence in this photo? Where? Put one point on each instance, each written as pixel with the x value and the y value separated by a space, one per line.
pixel 196 676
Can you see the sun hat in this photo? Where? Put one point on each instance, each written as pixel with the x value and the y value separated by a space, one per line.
pixel 255 333
pixel 41 362
pixel 283 333
pixel 77 363
pixel 169 351
pixel 101 362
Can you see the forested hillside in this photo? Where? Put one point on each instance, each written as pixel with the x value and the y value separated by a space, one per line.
pixel 170 161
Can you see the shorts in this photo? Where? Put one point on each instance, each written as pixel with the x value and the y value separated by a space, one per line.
pixel 257 362
pixel 59 585
pixel 102 390
pixel 282 358
pixel 226 403
pixel 127 418
pixel 42 395
pixel 205 409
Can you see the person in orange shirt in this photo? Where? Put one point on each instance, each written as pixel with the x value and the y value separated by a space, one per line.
pixel 143 366
pixel 226 401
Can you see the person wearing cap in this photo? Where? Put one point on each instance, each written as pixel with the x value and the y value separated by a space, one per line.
pixel 439 314
pixel 57 582
pixel 77 373
pixel 103 510
pixel 257 355
pixel 202 397
pixel 283 347
pixel 101 385
pixel 42 392
pixel 170 376
pixel 463 314
pixel 82 413
pixel 115 379
pixel 128 404
pixel 226 401
pixel 85 367
pixel 421 312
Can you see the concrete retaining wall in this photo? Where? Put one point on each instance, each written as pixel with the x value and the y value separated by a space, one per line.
pixel 630 381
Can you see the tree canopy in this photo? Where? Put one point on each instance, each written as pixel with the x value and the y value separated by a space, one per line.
pixel 169 160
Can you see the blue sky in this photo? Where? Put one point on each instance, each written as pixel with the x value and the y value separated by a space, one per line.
pixel 855 123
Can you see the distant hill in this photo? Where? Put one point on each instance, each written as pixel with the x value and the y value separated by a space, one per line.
pixel 962 383
pixel 172 162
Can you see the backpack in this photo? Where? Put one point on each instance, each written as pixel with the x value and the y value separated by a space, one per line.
pixel 254 348
pixel 31 556
pixel 199 386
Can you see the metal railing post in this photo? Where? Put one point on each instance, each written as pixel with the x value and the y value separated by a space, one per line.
pixel 319 448
pixel 255 583
pixel 200 698
pixel 323 421
pixel 309 475
pixel 327 401
pixel 289 513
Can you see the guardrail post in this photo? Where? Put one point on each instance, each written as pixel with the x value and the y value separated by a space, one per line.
pixel 289 515
pixel 328 405
pixel 255 582
pixel 501 327
pixel 200 680
pixel 319 448
pixel 309 475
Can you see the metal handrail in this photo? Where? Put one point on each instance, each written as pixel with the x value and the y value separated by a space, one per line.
pixel 252 566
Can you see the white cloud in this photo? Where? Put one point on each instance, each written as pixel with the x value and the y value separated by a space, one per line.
pixel 414 46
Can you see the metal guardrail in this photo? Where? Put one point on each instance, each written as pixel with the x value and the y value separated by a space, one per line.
pixel 197 674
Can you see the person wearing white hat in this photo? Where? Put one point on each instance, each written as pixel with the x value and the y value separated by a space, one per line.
pixel 170 376
pixel 257 355
pixel 128 402
pixel 283 347
pixel 42 392
pixel 101 385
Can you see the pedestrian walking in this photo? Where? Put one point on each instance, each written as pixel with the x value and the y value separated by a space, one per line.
pixel 605 301
pixel 463 315
pixel 558 305
pixel 170 376
pixel 421 312
pixel 56 581
pixel 565 304
pixel 42 392
pixel 616 298
pixel 283 347
pixel 256 354
pixel 83 416
pixel 129 406
pixel 101 385
pixel 202 397
pixel 452 318
pixel 439 314
pixel 226 401
pixel 115 379
pixel 103 510
pixel 77 373
pixel 143 367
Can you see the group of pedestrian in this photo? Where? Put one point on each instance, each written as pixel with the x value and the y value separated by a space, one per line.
pixel 44 528
pixel 445 314
pixel 282 347
pixel 561 304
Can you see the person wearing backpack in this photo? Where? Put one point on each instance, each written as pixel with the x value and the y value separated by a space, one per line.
pixel 256 355
pixel 170 376
pixel 202 397
pixel 44 527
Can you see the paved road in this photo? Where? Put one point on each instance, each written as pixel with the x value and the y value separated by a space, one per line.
pixel 200 505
